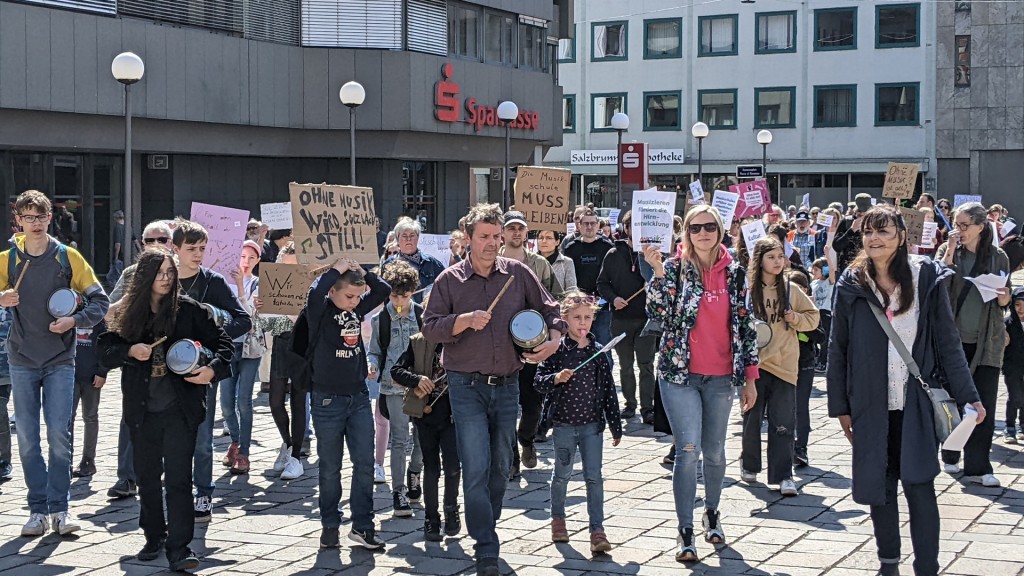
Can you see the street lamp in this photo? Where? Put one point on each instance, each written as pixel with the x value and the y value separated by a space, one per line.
pixel 764 138
pixel 700 132
pixel 620 123
pixel 127 68
pixel 507 113
pixel 352 95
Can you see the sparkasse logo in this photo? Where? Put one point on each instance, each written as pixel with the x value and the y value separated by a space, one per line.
pixel 446 107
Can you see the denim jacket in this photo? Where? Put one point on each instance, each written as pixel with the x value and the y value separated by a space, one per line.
pixel 402 328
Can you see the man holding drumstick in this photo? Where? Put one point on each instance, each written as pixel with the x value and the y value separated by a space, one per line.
pixel 469 312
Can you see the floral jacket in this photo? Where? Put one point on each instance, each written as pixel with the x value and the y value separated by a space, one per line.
pixel 675 303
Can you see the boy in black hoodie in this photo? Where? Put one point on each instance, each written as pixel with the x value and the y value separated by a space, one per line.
pixel 1013 368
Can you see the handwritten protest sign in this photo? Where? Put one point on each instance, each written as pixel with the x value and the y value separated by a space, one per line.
pixel 542 195
pixel 331 222
pixel 283 287
pixel 570 228
pixel 277 215
pixel 613 217
pixel 824 220
pixel 900 180
pixel 225 228
pixel 753 232
pixel 755 198
pixel 961 199
pixel 928 234
pixel 438 246
pixel 914 219
pixel 696 192
pixel 652 218
pixel 725 202
pixel 805 202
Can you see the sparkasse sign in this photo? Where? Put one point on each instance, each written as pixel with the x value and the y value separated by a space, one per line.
pixel 447 107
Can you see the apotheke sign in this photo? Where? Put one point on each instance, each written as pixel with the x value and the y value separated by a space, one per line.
pixel 597 157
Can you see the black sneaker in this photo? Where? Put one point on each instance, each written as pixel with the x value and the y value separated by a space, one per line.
pixel 401 506
pixel 203 509
pixel 529 456
pixel 413 489
pixel 432 530
pixel 712 527
pixel 514 473
pixel 151 551
pixel 6 471
pixel 187 562
pixel 86 468
pixel 687 551
pixel 648 417
pixel 452 522
pixel 305 451
pixel 367 539
pixel 329 538
pixel 123 489
pixel 487 567
pixel 670 458
pixel 628 413
pixel 800 459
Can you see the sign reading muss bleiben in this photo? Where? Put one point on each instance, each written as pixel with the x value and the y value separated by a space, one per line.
pixel 542 195
pixel 331 222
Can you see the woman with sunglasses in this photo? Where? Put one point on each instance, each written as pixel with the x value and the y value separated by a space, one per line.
pixel 156 235
pixel 700 299
pixel 162 409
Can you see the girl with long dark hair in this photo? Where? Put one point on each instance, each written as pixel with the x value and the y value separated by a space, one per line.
pixel 162 409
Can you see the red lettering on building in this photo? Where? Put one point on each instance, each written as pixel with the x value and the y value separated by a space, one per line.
pixel 446 107
pixel 446 97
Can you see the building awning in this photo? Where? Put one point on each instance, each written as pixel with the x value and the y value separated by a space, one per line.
pixel 865 166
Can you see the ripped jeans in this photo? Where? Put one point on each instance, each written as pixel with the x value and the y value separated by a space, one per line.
pixel 777 399
pixel 566 440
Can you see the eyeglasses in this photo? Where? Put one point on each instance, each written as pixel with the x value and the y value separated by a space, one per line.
pixel 709 227
pixel 961 227
pixel 33 218
pixel 588 223
pixel 160 239
pixel 408 237
pixel 944 206
pixel 168 275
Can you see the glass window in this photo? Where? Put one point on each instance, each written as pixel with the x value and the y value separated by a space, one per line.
pixel 566 49
pixel 662 110
pixel 718 35
pixel 604 106
pixel 835 106
pixel 531 46
pixel 569 113
pixel 609 41
pixel 498 37
pixel 419 193
pixel 717 108
pixel 663 38
pixel 897 25
pixel 896 104
pixel 835 29
pixel 775 107
pixel 463 31
pixel 776 32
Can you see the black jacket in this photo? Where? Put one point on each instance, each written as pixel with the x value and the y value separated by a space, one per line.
pixel 1013 356
pixel 847 243
pixel 544 382
pixel 194 323
pixel 404 373
pixel 211 288
pixel 620 277
pixel 587 258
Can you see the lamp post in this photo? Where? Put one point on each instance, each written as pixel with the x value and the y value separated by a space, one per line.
pixel 507 113
pixel 764 138
pixel 127 68
pixel 352 95
pixel 700 132
pixel 620 122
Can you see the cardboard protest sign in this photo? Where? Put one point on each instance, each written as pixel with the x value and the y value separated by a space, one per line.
pixel 652 218
pixel 753 232
pixel 542 195
pixel 961 199
pixel 225 228
pixel 914 219
pixel 283 287
pixel 755 199
pixel 332 222
pixel 438 246
pixel 277 215
pixel 928 234
pixel 900 180
pixel 725 202
pixel 696 192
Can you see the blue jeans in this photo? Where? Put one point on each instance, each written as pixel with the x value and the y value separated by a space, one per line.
pixel 236 401
pixel 51 390
pixel 699 415
pixel 339 420
pixel 588 439
pixel 202 468
pixel 485 425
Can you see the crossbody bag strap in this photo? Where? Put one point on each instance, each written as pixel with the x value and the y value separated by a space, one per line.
pixel 897 342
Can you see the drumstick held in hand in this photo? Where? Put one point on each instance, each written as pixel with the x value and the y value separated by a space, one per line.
pixel 635 294
pixel 158 342
pixel 421 394
pixel 22 275
pixel 500 294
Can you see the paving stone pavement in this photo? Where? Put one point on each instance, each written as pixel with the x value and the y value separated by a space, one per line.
pixel 263 525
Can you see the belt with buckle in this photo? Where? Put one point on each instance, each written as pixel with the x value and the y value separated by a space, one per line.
pixel 494 380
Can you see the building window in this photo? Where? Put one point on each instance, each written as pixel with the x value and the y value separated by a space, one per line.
pixel 463 31
pixel 963 61
pixel 663 38
pixel 569 113
pixel 532 41
pixel 566 49
pixel 835 106
pixel 499 37
pixel 896 104
pixel 835 29
pixel 609 41
pixel 897 25
pixel 662 110
pixel 776 32
pixel 717 108
pixel 718 35
pixel 775 107
pixel 603 107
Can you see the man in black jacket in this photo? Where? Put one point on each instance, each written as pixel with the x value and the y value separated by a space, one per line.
pixel 847 241
pixel 587 253
pixel 621 284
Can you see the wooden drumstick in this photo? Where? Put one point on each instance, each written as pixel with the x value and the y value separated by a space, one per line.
pixel 500 294
pixel 635 294
pixel 22 275
pixel 421 394
pixel 158 342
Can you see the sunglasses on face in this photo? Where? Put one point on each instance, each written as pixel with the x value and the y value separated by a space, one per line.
pixel 709 227
pixel 160 239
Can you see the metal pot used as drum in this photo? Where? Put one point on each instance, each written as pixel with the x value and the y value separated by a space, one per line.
pixel 528 329
pixel 64 303
pixel 220 317
pixel 764 333
pixel 186 356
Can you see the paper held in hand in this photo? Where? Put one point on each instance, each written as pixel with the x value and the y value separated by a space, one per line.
pixel 958 437
pixel 928 234
pixel 752 233
pixel 987 284
pixel 652 218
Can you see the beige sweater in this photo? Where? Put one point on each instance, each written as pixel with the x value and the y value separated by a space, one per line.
pixel 781 356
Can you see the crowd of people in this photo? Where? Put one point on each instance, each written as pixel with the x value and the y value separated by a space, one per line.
pixel 417 355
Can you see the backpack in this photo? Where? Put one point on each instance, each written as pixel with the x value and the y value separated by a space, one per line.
pixel 62 257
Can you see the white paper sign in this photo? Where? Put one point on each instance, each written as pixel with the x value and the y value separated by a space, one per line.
pixel 928 234
pixel 1007 228
pixel 987 284
pixel 652 218
pixel 995 233
pixel 752 233
pixel 570 228
pixel 874 201
pixel 613 217
pixel 825 220
pixel 753 198
pixel 277 215
pixel 961 199
pixel 696 192
pixel 806 202
pixel 726 203
pixel 438 246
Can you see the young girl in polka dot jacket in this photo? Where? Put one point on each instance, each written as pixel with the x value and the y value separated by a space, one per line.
pixel 580 400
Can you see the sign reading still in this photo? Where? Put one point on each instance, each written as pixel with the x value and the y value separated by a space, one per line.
pixel 331 222
pixel 542 195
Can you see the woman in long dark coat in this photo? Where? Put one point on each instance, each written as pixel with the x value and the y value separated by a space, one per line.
pixel 885 414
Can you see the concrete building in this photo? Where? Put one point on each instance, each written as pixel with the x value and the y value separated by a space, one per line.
pixel 844 86
pixel 979 122
pixel 240 97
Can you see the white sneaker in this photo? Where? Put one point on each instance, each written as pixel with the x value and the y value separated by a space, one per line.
pixel 282 458
pixel 37 525
pixel 378 474
pixel 989 480
pixel 951 468
pixel 788 488
pixel 748 476
pixel 63 523
pixel 293 469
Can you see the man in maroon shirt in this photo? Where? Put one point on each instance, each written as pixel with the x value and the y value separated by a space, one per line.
pixel 483 366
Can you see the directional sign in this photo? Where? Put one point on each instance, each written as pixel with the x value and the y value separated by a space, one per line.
pixel 750 171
